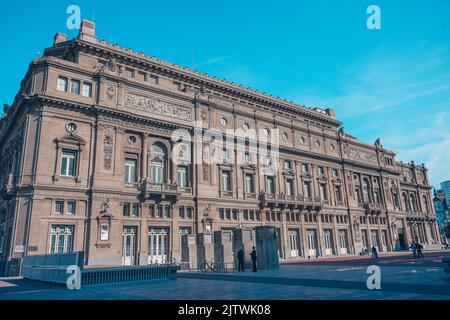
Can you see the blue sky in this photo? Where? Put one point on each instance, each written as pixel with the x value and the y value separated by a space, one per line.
pixel 392 83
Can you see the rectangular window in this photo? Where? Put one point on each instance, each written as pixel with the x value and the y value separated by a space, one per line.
pixel 245 214
pixel 75 86
pixel 320 170
pixel 151 211
pixel 289 187
pixel 235 214
pixel 61 239
pixel 226 181
pixel 62 84
pixel 59 207
pixel 270 185
pixel 323 191
pixel 228 214
pixel 130 170
pixel 335 173
pixel 87 90
pixel 287 164
pixel 182 177
pixel 166 212
pixel 226 155
pixel 159 211
pixel 189 212
pixel 221 214
pixel 181 212
pixel 126 209
pixel 129 72
pixel 305 167
pixel 135 211
pixel 68 161
pixel 153 79
pixel 71 207
pixel 307 189
pixel 247 158
pixel 337 191
pixel 176 85
pixel 249 187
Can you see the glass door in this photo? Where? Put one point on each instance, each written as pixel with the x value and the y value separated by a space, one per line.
pixel 158 245
pixel 328 242
pixel 312 251
pixel 343 241
pixel 129 246
pixel 293 242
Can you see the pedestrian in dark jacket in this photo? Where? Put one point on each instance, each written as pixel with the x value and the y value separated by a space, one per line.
pixel 240 257
pixel 374 253
pixel 254 258
pixel 419 250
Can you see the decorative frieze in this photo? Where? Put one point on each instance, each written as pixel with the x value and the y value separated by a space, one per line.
pixel 361 155
pixel 158 107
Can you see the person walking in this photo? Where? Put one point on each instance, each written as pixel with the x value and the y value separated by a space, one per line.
pixel 254 259
pixel 374 253
pixel 419 250
pixel 414 249
pixel 240 257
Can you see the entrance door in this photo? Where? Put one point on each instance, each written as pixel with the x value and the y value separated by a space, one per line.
pixel 129 246
pixel 293 242
pixel 343 241
pixel 328 242
pixel 157 245
pixel 375 239
pixel 312 249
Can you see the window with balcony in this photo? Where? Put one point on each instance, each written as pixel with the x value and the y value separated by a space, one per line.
pixel 338 193
pixel 366 190
pixel 130 170
pixel 182 176
pixel 158 163
pixel 249 186
pixel 270 186
pixel 323 191
pixel 307 189
pixel 226 181
pixel 289 187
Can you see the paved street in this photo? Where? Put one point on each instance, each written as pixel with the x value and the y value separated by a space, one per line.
pixel 402 277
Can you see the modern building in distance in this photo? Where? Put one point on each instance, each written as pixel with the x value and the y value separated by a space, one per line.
pixel 445 187
pixel 109 151
pixel 441 208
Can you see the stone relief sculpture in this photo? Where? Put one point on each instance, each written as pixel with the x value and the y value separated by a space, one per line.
pixel 158 107
pixel 108 150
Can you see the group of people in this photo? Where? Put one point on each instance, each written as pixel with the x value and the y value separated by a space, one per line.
pixel 241 262
pixel 416 249
pixel 365 252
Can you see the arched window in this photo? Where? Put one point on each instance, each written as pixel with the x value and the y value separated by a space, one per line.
pixel 413 202
pixel 426 204
pixel 405 201
pixel 158 163
pixel 366 190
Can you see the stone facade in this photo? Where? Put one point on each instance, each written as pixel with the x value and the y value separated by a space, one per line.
pixel 100 152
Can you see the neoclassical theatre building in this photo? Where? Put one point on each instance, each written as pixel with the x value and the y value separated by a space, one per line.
pixel 105 150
